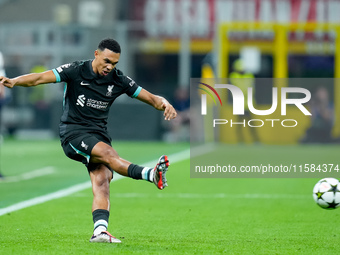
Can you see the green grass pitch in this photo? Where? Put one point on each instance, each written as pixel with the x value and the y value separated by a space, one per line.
pixel 191 216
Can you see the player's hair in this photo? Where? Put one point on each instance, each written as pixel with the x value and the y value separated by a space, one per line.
pixel 109 44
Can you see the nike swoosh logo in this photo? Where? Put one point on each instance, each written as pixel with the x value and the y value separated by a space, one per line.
pixel 84 84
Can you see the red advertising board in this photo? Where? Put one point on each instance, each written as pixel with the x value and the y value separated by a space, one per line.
pixel 167 18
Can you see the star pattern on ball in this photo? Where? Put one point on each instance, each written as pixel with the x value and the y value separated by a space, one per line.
pixel 333 205
pixel 319 194
pixel 334 189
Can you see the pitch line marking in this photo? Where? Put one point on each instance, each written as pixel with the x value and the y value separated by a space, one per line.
pixel 29 175
pixel 174 158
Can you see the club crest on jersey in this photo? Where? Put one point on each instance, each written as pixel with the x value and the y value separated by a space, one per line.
pixel 109 90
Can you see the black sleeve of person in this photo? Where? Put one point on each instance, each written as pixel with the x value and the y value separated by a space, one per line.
pixel 131 88
pixel 64 72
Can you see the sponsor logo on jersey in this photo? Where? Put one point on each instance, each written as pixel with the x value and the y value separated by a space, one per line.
pixel 81 100
pixel 84 83
pixel 96 104
pixel 109 90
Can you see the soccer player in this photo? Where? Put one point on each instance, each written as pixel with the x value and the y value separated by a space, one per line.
pixel 91 88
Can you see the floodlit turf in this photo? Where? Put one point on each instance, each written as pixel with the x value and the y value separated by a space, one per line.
pixel 191 216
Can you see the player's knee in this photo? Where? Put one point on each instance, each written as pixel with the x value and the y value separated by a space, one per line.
pixel 108 155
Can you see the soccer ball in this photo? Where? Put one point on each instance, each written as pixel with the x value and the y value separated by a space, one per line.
pixel 326 193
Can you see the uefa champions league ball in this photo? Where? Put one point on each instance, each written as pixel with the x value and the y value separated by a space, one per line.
pixel 326 193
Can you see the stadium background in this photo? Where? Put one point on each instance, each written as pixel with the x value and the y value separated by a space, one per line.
pixel 164 44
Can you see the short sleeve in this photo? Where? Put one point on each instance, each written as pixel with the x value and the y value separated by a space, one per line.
pixel 63 73
pixel 132 89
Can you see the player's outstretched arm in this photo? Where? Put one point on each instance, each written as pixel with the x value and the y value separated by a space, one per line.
pixel 29 80
pixel 158 102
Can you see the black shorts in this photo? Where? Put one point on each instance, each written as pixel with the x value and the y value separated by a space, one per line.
pixel 79 148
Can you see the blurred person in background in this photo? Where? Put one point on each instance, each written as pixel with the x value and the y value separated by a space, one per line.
pixel 179 127
pixel 91 87
pixel 322 120
pixel 4 97
pixel 244 80
pixel 39 99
